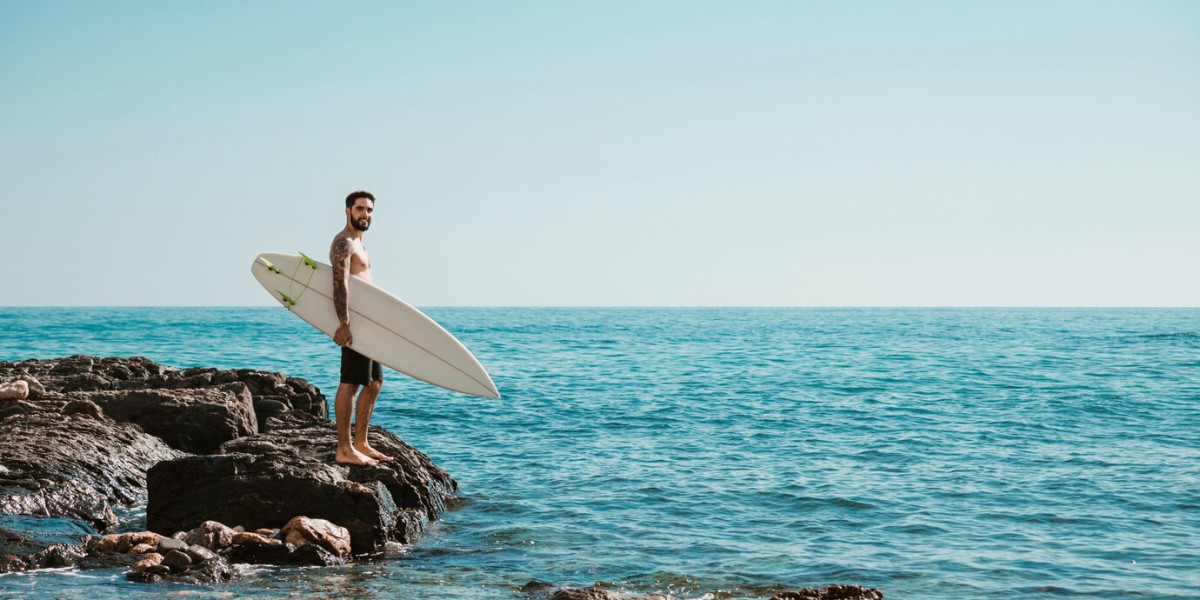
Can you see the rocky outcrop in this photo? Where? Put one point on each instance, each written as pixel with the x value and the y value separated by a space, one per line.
pixel 270 393
pixel 266 480
pixel 237 446
pixel 66 459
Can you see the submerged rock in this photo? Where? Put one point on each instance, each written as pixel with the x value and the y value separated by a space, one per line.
pixel 28 542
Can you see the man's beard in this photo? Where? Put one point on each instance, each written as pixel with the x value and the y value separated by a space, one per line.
pixel 360 224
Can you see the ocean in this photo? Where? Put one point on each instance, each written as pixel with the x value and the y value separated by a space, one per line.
pixel 735 453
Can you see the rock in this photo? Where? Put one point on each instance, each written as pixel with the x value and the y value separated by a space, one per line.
pixel 200 554
pixel 74 467
pixel 178 561
pixel 28 542
pixel 192 420
pixel 832 592
pixel 254 538
pixel 266 531
pixel 90 374
pixel 537 587
pixel 302 531
pixel 143 549
pixel 126 542
pixel 150 560
pixel 262 554
pixel 420 489
pixel 313 555
pixel 582 594
pixel 267 491
pixel 167 544
pixel 85 408
pixel 211 535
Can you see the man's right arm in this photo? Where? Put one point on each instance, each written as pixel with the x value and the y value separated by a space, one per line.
pixel 339 256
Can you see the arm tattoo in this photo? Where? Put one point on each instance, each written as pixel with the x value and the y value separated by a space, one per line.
pixel 339 255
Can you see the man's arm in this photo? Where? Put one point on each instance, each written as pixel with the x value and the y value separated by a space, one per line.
pixel 339 256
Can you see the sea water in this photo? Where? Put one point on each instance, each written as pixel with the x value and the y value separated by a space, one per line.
pixel 932 453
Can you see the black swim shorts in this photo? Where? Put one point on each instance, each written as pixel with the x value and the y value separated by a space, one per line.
pixel 358 369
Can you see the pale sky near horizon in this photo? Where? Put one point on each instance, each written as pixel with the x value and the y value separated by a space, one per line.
pixel 606 153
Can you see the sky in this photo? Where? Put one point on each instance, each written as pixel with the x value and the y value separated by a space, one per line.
pixel 642 153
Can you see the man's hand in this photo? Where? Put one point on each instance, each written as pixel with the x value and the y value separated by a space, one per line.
pixel 342 336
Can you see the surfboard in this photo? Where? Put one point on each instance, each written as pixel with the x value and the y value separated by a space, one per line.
pixel 385 328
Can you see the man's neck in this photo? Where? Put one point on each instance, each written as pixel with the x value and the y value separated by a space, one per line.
pixel 353 232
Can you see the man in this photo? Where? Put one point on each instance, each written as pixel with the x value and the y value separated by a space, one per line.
pixel 349 257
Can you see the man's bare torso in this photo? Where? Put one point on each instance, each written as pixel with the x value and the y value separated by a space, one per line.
pixel 360 260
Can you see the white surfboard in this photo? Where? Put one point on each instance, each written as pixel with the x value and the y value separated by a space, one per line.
pixel 385 328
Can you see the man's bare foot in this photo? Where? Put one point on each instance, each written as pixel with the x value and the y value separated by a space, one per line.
pixel 353 457
pixel 373 453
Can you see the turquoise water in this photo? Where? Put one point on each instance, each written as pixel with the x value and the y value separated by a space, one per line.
pixel 933 453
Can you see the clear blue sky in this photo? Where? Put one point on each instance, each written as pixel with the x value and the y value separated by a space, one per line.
pixel 607 153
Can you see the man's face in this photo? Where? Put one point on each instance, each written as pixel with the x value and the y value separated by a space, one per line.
pixel 360 214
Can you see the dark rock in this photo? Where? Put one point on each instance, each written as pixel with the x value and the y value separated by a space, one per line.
pixel 212 570
pixel 191 419
pixel 73 466
pixel 28 542
pixel 582 594
pixel 90 374
pixel 832 592
pixel 313 555
pixel 261 554
pixel 267 491
pixel 537 587
pixel 267 408
pixel 178 561
pixel 200 553
pixel 167 544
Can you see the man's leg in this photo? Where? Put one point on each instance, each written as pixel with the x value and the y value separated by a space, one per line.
pixel 362 419
pixel 342 404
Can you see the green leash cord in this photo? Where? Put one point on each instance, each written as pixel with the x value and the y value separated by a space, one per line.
pixel 287 299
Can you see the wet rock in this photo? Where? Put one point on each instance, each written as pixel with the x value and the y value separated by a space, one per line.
pixel 537 587
pixel 582 594
pixel 152 559
pixel 126 542
pixel 177 561
pixel 28 542
pixel 200 554
pixel 267 491
pixel 73 466
pixel 261 554
pixel 247 537
pixel 832 592
pixel 302 531
pixel 167 544
pixel 313 555
pixel 211 535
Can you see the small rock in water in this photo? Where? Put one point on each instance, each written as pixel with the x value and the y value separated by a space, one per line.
pixel 211 535
pixel 178 561
pixel 302 531
pixel 152 559
pixel 254 538
pixel 166 545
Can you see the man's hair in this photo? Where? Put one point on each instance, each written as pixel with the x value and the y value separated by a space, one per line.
pixel 356 195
